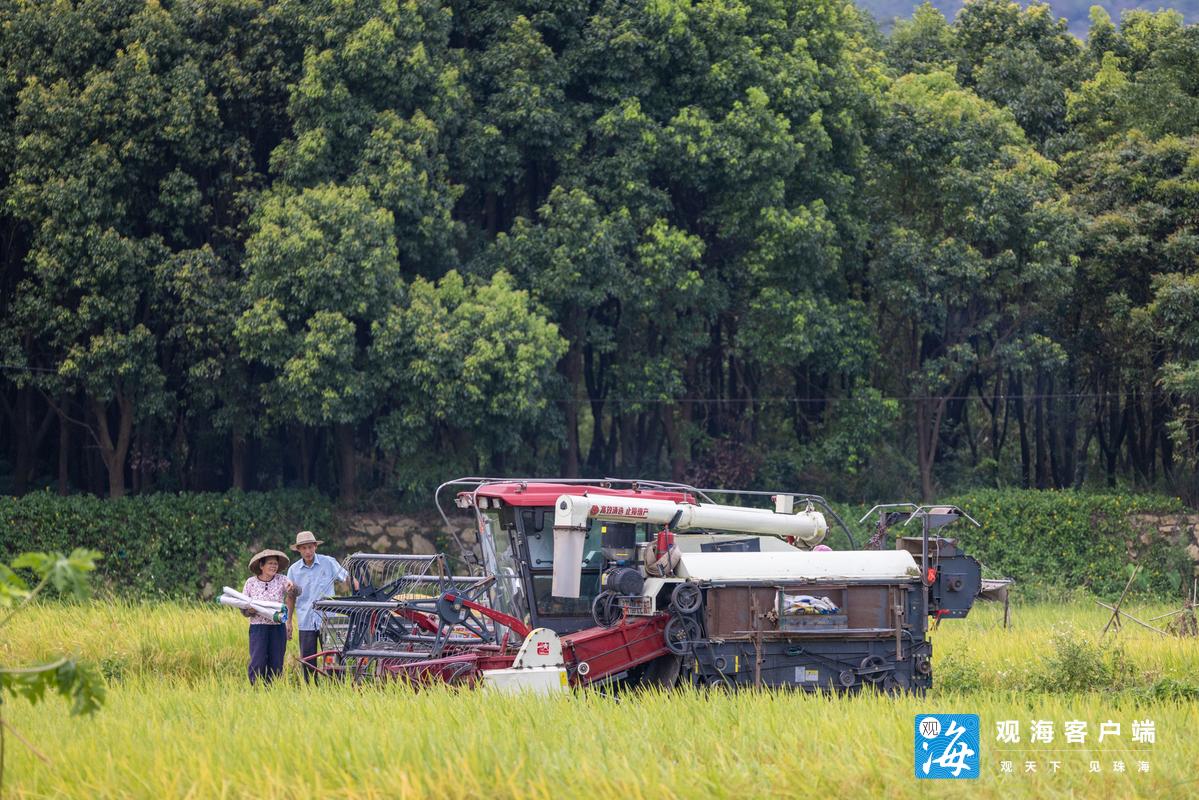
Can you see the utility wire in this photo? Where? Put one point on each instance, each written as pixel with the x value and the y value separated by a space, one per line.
pixel 26 368
pixel 815 400
pixel 786 400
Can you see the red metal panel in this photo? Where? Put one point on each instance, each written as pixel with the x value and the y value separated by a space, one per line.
pixel 462 668
pixel 607 651
pixel 544 494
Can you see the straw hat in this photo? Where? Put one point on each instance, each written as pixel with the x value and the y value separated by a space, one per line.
pixel 305 537
pixel 284 560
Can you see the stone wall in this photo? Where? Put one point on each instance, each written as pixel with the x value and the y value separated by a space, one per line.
pixel 415 534
pixel 1181 530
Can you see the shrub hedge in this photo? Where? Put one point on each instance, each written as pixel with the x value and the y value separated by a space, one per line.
pixel 1054 543
pixel 189 545
pixel 1068 540
pixel 164 545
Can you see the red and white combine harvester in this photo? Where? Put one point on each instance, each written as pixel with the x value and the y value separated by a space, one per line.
pixel 648 583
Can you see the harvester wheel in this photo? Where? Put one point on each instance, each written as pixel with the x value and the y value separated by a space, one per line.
pixel 662 672
pixel 461 675
pixel 680 634
pixel 685 599
pixel 604 610
pixel 871 669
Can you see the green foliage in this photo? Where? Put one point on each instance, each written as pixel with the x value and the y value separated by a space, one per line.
pixel 65 574
pixel 968 216
pixel 243 240
pixel 1073 539
pixel 1077 663
pixel 163 545
pixel 1145 78
pixel 80 684
pixel 321 273
pixel 470 359
pixel 1174 317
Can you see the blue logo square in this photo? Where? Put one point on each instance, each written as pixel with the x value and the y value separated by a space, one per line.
pixel 946 746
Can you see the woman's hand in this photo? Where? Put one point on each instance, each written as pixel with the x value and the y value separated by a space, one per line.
pixel 247 613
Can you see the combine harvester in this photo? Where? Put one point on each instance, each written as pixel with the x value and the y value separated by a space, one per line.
pixel 647 583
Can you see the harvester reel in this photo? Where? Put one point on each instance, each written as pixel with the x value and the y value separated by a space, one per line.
pixel 453 614
pixel 685 599
pixel 681 634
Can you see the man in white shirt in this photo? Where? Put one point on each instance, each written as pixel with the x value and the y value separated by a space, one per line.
pixel 315 575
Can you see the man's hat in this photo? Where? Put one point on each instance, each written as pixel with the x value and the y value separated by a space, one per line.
pixel 283 560
pixel 305 537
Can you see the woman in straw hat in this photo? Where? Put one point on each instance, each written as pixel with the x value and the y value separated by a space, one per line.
pixel 268 639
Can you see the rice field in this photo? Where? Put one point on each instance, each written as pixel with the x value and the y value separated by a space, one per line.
pixel 180 721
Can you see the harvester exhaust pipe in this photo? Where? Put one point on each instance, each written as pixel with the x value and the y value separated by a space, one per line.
pixel 570 535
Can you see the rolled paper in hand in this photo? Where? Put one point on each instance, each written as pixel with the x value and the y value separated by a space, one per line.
pixel 275 612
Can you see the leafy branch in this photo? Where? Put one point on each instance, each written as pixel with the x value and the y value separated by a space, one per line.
pixel 80 684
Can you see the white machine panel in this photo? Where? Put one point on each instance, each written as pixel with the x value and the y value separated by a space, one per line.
pixel 800 566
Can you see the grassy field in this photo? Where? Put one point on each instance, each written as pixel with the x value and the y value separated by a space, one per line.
pixel 181 722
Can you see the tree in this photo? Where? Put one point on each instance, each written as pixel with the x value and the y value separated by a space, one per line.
pixel 111 154
pixel 1145 78
pixel 1174 315
pixel 1022 59
pixel 705 165
pixel 923 43
pixel 321 275
pixel 468 367
pixel 972 243
pixel 1138 198
pixel 79 683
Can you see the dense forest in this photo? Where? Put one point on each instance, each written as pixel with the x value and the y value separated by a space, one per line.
pixel 366 246
pixel 1077 13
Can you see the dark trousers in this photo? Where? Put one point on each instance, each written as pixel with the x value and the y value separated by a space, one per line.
pixel 268 643
pixel 310 643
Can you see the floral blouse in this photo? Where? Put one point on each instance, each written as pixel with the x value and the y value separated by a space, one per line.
pixel 271 591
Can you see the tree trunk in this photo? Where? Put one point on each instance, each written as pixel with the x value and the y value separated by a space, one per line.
pixel 969 431
pixel 347 461
pixel 716 376
pixel 594 380
pixel 570 408
pixel 630 453
pixel 114 453
pixel 23 435
pixel 929 414
pixel 1111 437
pixel 64 455
pixel 490 214
pixel 1017 391
pixel 304 443
pixel 1042 455
pixel 238 456
pixel 1081 459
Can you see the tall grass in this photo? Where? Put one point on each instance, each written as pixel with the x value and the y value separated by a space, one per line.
pixel 220 738
pixel 181 722
pixel 197 641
